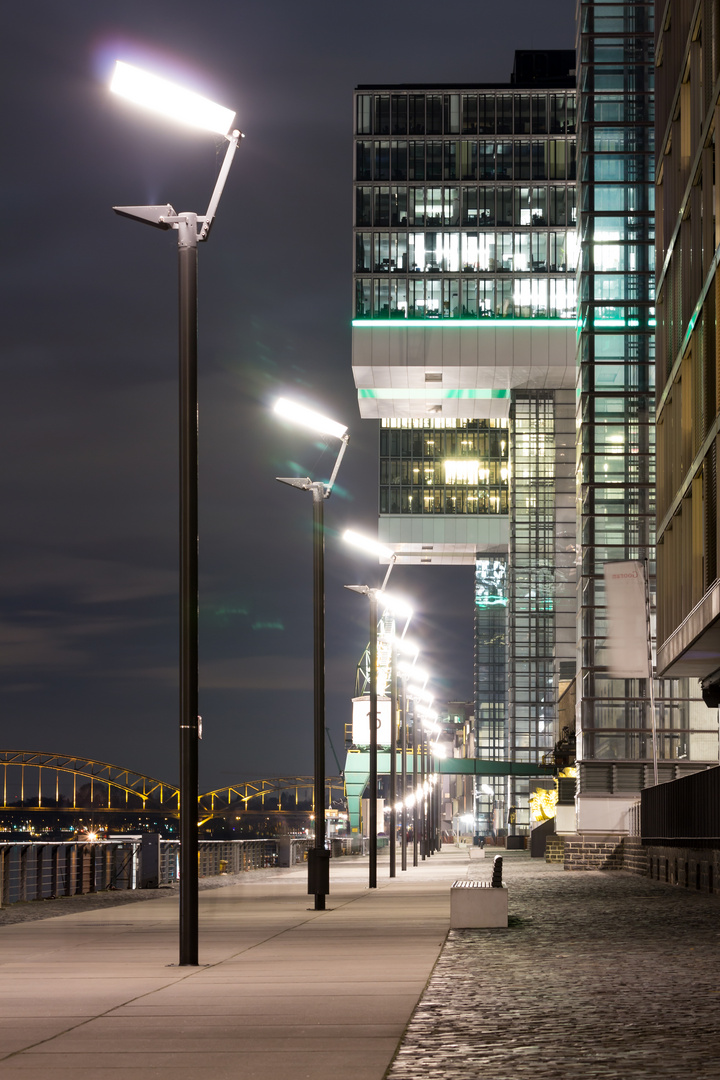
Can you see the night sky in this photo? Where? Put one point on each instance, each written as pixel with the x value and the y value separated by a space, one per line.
pixel 89 619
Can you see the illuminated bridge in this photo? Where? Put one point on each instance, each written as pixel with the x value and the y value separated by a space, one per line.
pixel 44 783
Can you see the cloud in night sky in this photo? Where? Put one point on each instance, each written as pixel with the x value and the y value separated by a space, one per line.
pixel 88 485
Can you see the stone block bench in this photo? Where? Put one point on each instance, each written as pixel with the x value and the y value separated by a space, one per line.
pixel 478 905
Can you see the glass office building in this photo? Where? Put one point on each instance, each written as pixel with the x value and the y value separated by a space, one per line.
pixel 616 405
pixel 464 349
pixel 464 203
pixel 688 405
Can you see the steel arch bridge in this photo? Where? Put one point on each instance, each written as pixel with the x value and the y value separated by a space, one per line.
pixel 240 796
pixel 38 781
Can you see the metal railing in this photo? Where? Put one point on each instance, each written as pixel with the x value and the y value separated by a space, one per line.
pixel 683 813
pixel 44 870
pixel 233 856
pixel 349 845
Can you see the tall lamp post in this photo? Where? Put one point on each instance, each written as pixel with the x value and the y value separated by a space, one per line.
pixel 403 774
pixel 373 548
pixel 437 752
pixel 318 858
pixel 422 701
pixel 404 669
pixel 397 644
pixel 176 103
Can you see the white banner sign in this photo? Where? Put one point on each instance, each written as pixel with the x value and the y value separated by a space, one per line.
pixel 626 648
pixel 361 721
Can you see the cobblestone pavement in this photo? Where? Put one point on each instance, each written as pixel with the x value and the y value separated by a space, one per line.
pixel 599 974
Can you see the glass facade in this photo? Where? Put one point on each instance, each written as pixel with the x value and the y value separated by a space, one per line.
pixel 491 683
pixel 532 589
pixel 616 392
pixel 465 209
pixel 464 204
pixel 531 624
pixel 436 466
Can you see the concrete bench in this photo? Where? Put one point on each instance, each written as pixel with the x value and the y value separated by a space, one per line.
pixel 477 905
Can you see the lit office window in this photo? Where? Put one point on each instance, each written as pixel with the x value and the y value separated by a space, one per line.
pixel 469 114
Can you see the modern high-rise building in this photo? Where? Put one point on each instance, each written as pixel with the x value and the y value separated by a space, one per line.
pixel 464 350
pixel 616 387
pixel 687 52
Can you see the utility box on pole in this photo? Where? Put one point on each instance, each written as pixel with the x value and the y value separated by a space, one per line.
pixel 318 871
pixel 150 861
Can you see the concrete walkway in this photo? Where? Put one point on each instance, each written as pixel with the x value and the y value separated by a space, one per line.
pixel 283 992
pixel 599 975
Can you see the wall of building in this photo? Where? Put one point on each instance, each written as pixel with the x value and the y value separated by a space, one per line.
pixel 688 287
pixel 616 395
pixel 690 868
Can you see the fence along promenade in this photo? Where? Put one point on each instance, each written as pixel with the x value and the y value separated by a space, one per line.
pixel 42 870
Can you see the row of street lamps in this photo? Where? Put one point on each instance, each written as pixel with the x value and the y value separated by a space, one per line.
pixel 318 862
pixel 178 104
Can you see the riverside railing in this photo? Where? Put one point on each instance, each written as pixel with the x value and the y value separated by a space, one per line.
pixel 43 870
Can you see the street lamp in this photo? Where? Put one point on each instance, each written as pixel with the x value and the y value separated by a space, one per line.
pixel 318 859
pixel 396 644
pixel 178 104
pixel 410 652
pixel 436 751
pixel 373 548
pixel 374 595
pixel 422 699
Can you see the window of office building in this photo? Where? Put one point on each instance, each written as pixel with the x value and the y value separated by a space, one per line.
pixel 443 467
pixel 497 206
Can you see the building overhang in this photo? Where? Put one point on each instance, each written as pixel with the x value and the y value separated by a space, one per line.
pixel 443 539
pixel 458 367
pixel 693 649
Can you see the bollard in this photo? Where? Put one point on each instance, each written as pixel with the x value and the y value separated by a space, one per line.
pixel 497 872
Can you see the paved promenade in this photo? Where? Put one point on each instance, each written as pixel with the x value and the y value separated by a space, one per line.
pixel 598 975
pixel 603 975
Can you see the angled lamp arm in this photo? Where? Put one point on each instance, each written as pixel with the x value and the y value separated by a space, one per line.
pixel 393 560
pixel 407 623
pixel 233 140
pixel 344 439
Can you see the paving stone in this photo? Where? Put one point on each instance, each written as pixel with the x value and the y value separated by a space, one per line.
pixel 599 975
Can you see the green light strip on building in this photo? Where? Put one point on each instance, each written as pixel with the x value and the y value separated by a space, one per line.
pixel 460 324
pixel 478 324
pixel 618 324
pixel 367 392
